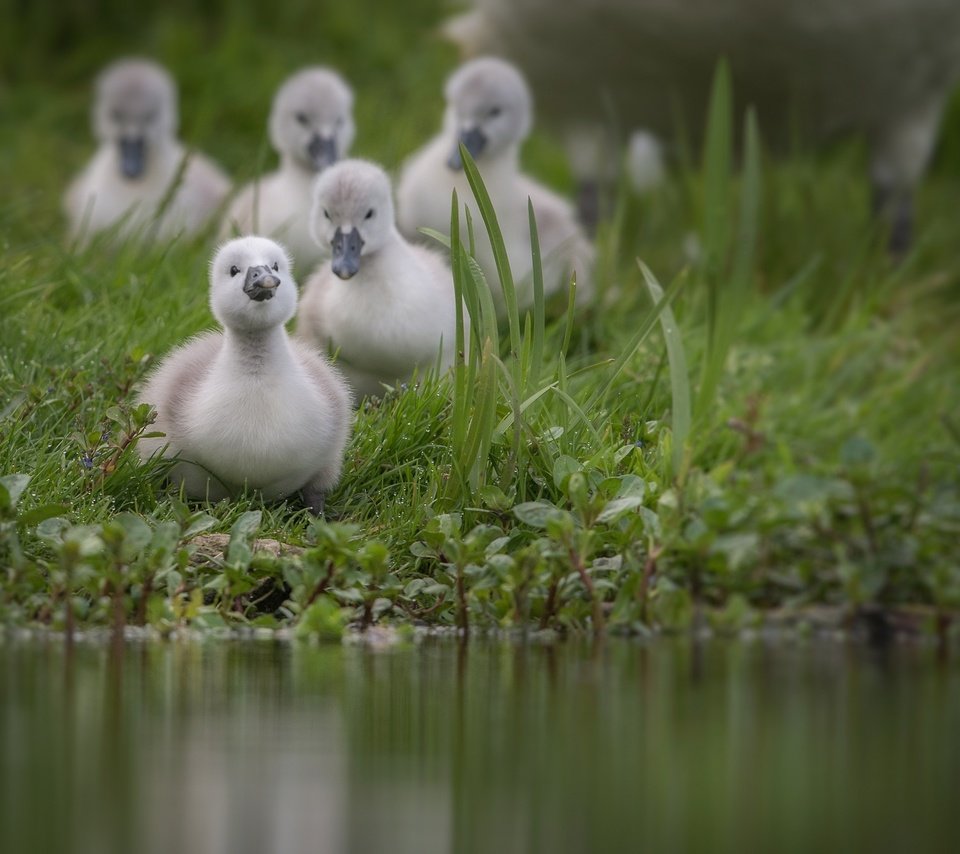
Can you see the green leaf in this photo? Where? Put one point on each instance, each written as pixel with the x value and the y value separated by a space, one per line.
pixel 12 486
pixel 563 467
pixel 197 524
pixel 39 514
pixel 51 530
pixel 247 524
pixel 12 405
pixel 631 484
pixel 137 534
pixel 536 514
pixel 614 509
pixel 494 497
pixel 856 452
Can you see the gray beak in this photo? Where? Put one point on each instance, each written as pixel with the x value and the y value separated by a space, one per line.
pixel 260 284
pixel 346 253
pixel 132 156
pixel 322 151
pixel 474 140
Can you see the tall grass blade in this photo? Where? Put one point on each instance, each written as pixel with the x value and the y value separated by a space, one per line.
pixel 728 306
pixel 501 260
pixel 638 338
pixel 717 170
pixel 461 378
pixel 679 378
pixel 570 316
pixel 536 359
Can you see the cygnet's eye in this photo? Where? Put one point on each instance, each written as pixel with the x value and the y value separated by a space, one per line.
pixel 276 267
pixel 326 213
pixel 303 118
pixel 339 121
pixel 234 270
pixel 369 214
pixel 116 114
pixel 494 112
pixel 150 117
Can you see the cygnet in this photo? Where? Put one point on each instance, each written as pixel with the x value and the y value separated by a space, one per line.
pixel 385 306
pixel 142 180
pixel 248 407
pixel 489 110
pixel 812 68
pixel 311 127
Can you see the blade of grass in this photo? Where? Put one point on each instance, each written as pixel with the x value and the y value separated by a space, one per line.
pixel 536 359
pixel 717 169
pixel 638 338
pixel 679 378
pixel 729 307
pixel 501 260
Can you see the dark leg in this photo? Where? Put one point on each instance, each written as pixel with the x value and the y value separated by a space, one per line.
pixel 900 153
pixel 896 210
pixel 588 205
pixel 901 227
pixel 314 499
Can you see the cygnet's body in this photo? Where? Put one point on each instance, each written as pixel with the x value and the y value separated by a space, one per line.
pixel 142 180
pixel 489 109
pixel 386 307
pixel 812 68
pixel 248 407
pixel 311 127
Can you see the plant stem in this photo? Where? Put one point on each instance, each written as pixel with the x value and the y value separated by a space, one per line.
pixel 598 622
pixel 463 619
pixel 321 585
pixel 551 605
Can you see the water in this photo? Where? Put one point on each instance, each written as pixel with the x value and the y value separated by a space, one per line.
pixel 258 747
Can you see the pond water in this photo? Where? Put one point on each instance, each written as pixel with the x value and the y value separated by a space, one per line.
pixel 274 747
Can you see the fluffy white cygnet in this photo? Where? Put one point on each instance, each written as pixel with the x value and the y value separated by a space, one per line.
pixel 311 127
pixel 141 179
pixel 812 69
pixel 386 307
pixel 248 407
pixel 489 110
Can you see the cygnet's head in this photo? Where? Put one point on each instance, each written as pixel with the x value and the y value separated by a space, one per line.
pixel 311 120
pixel 251 284
pixel 135 109
pixel 352 213
pixel 489 109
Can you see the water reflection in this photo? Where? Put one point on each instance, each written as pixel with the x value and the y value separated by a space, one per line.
pixel 261 747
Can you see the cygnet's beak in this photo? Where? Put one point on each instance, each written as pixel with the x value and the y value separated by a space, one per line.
pixel 132 156
pixel 322 151
pixel 260 284
pixel 346 253
pixel 474 140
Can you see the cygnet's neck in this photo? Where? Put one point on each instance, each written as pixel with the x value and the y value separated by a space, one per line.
pixel 293 166
pixel 393 251
pixel 256 351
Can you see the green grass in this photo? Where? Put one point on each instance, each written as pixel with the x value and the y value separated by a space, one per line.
pixel 777 425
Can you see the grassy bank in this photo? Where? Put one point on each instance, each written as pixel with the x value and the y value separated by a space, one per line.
pixel 782 429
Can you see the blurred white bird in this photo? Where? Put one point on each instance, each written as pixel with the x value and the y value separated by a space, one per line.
pixel 813 68
pixel 311 127
pixel 141 179
pixel 490 111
